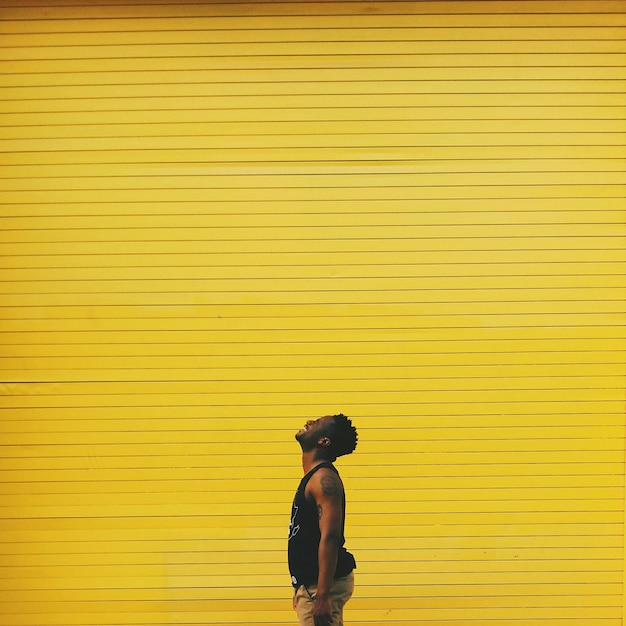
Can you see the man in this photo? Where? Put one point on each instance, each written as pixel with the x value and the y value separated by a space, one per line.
pixel 320 566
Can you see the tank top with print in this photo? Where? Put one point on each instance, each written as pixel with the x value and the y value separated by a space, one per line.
pixel 304 537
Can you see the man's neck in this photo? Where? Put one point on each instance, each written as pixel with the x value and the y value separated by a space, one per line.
pixel 310 460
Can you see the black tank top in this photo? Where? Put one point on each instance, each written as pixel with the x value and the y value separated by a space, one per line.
pixel 304 538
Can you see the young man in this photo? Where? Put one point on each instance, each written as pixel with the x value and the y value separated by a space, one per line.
pixel 320 566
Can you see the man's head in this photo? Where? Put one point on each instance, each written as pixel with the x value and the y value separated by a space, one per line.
pixel 331 436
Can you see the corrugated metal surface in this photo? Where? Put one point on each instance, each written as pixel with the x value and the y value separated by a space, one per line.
pixel 221 219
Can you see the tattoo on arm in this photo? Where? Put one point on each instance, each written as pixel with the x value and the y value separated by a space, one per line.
pixel 330 485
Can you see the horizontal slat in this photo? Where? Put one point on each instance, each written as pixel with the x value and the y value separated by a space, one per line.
pixel 180 367
pixel 33 370
pixel 415 66
pixel 386 172
pixel 592 192
pixel 549 570
pixel 133 8
pixel 471 513
pixel 415 62
pixel 240 117
pixel 427 545
pixel 370 314
pixel 608 411
pixel 216 432
pixel 225 143
pixel 498 594
pixel 441 336
pixel 393 489
pixel 344 207
pixel 441 315
pixel 323 290
pixel 241 580
pixel 327 76
pixel 518 413
pixel 207 234
pixel 440 149
pixel 422 548
pixel 599 470
pixel 362 617
pixel 478 438
pixel 189 361
pixel 264 324
pixel 432 376
pixel 337 298
pixel 260 603
pixel 519 469
pixel 159 422
pixel 534 458
pixel 498 98
pixel 243 224
pixel 394 429
pixel 424 273
pixel 279 614
pixel 427 262
pixel 479 447
pixel 602 498
pixel 149 492
pixel 251 396
pixel 566 40
pixel 278 20
pixel 193 390
pixel 192 530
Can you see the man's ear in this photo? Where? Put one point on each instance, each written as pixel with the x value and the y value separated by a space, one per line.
pixel 323 441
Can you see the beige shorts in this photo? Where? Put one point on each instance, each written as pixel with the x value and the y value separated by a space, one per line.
pixel 340 593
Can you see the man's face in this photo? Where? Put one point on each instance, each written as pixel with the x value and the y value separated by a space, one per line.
pixel 313 431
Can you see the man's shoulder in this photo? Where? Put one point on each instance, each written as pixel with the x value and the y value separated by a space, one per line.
pixel 326 481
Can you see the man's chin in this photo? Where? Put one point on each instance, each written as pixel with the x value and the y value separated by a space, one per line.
pixel 301 435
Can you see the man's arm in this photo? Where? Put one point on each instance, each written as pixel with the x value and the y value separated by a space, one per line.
pixel 327 490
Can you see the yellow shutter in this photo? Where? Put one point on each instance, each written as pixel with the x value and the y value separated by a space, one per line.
pixel 222 219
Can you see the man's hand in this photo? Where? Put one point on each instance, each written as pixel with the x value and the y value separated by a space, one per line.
pixel 322 611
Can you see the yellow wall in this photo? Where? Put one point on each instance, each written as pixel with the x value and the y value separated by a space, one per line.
pixel 221 219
